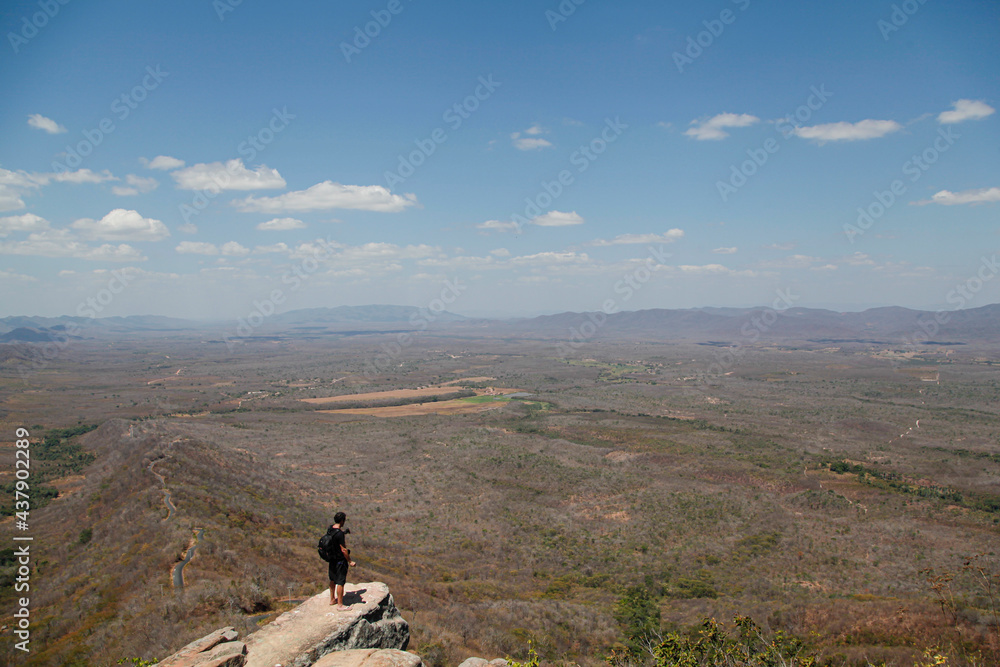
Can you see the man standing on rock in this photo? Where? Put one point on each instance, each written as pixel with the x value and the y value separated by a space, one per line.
pixel 340 560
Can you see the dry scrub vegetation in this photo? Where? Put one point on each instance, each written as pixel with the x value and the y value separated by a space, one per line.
pixel 798 491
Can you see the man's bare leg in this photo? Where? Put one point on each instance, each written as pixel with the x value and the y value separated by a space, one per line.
pixel 333 596
pixel 340 597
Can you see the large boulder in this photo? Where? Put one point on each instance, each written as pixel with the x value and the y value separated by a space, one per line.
pixel 301 636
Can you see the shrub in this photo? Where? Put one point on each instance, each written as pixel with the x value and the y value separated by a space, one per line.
pixel 639 617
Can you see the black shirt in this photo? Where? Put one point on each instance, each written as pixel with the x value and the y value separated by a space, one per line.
pixel 336 553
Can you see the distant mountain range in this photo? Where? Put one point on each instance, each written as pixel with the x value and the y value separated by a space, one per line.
pixel 718 326
pixel 889 325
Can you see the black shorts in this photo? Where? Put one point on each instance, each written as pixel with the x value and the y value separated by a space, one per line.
pixel 338 572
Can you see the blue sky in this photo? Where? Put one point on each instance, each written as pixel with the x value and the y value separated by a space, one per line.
pixel 199 159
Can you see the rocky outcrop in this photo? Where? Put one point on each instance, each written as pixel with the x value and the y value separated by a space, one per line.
pixel 369 633
pixel 300 637
pixel 219 649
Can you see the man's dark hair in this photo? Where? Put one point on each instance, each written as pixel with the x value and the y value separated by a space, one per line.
pixel 340 518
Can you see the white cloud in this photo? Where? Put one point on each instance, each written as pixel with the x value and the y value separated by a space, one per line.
pixel 137 185
pixel 13 186
pixel 499 226
pixel 844 131
pixel 78 176
pixel 368 252
pixel 549 258
pixel 62 243
pixel 29 222
pixel 860 259
pixel 233 175
pixel 10 276
pixel 234 249
pixel 725 251
pixel 531 142
pixel 330 195
pixel 196 248
pixel 316 249
pixel 949 198
pixel 40 122
pixel 500 252
pixel 281 225
pixel 557 219
pixel 163 162
pixel 715 127
pixel 780 246
pixel 714 270
pixel 790 262
pixel 966 110
pixel 122 225
pixel 277 247
pixel 16 184
pixel 637 239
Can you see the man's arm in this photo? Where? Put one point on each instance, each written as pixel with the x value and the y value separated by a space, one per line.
pixel 347 552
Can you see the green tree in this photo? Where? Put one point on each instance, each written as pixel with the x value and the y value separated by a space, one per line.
pixel 638 614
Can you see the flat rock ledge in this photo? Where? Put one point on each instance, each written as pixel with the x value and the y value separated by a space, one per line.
pixel 369 633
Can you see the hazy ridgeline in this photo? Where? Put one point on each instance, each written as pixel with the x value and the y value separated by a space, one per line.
pixel 796 488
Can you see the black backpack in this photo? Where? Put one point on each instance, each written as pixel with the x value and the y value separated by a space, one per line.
pixel 326 544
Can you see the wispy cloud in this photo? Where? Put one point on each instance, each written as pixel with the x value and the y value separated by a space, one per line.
pixel 62 243
pixel 197 248
pixel 966 110
pixel 641 239
pixel 40 122
pixel 16 184
pixel 136 185
pixel 532 140
pixel 949 198
pixel 714 270
pixel 281 225
pixel 499 226
pixel 557 219
pixel 329 195
pixel 844 131
pixel 725 251
pixel 715 127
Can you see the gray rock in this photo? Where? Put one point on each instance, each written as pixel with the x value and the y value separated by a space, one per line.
pixel 218 649
pixel 301 636
pixel 474 662
pixel 229 654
